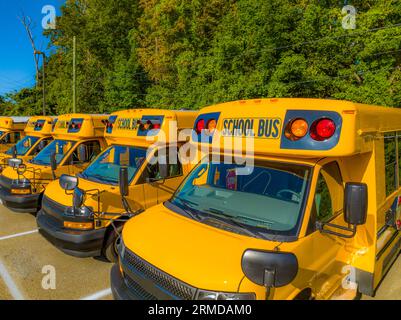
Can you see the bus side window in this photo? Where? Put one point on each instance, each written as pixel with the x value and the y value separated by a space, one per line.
pixel 390 162
pixel 14 137
pixel 6 139
pixel 329 195
pixel 174 169
pixel 42 144
pixel 399 156
pixel 92 150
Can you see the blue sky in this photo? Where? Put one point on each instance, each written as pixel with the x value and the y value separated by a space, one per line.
pixel 17 68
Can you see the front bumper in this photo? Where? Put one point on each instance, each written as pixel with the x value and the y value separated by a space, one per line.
pixel 118 288
pixel 28 203
pixel 85 243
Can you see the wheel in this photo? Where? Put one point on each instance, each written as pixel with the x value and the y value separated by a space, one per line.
pixel 110 251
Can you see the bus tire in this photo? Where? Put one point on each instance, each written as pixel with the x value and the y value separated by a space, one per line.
pixel 110 247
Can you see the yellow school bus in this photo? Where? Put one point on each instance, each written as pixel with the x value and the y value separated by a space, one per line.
pixel 37 136
pixel 11 131
pixel 313 212
pixel 78 139
pixel 77 211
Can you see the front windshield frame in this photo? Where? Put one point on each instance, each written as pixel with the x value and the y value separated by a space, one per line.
pixel 53 142
pixel 260 233
pixel 94 178
pixel 10 151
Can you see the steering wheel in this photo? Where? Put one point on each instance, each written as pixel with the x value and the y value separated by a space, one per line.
pixel 279 194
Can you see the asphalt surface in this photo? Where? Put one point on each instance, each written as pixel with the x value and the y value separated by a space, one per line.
pixel 31 268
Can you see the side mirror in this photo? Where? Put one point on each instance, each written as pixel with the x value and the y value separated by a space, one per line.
pixel 53 161
pixel 123 180
pixel 14 151
pixel 82 154
pixel 68 182
pixel 78 198
pixel 14 162
pixel 269 268
pixel 356 203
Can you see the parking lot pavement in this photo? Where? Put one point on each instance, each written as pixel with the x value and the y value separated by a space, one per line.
pixel 28 263
pixel 390 288
pixel 31 268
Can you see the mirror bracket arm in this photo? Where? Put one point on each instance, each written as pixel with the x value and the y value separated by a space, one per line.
pixel 320 226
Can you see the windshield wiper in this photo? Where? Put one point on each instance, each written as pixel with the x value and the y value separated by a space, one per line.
pixel 188 209
pixel 234 221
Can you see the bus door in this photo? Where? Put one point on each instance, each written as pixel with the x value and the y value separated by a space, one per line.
pixel 83 154
pixel 157 189
pixel 323 248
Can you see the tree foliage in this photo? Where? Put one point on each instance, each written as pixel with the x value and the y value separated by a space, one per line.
pixel 192 53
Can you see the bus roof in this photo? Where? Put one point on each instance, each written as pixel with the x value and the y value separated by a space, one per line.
pixel 268 123
pixel 13 123
pixel 39 126
pixel 79 126
pixel 133 126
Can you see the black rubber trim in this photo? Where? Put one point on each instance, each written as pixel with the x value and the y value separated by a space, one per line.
pixel 85 243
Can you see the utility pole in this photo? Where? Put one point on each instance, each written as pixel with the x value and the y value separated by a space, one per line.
pixel 43 79
pixel 74 76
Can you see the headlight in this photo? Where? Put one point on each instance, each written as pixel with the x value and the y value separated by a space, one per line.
pixel 212 295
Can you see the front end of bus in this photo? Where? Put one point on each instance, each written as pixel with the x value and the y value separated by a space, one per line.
pixel 37 137
pixel 77 212
pixel 78 216
pixel 238 227
pixel 23 183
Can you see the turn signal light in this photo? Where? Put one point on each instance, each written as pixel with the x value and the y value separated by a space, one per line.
pixel 20 191
pixel 323 129
pixel 296 129
pixel 78 225
pixel 211 125
pixel 299 128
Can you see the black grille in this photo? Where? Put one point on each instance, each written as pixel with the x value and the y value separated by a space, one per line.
pixel 175 287
pixel 5 182
pixel 137 290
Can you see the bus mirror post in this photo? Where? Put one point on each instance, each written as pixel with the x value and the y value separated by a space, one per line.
pixel 14 151
pixel 163 170
pixel 355 203
pixel 82 153
pixel 355 211
pixel 123 180
pixel 53 164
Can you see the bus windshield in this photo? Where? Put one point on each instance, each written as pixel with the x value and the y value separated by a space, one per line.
pixel 23 146
pixel 59 147
pixel 267 198
pixel 106 167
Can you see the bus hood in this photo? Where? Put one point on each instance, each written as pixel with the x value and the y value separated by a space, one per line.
pixel 198 254
pixel 110 198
